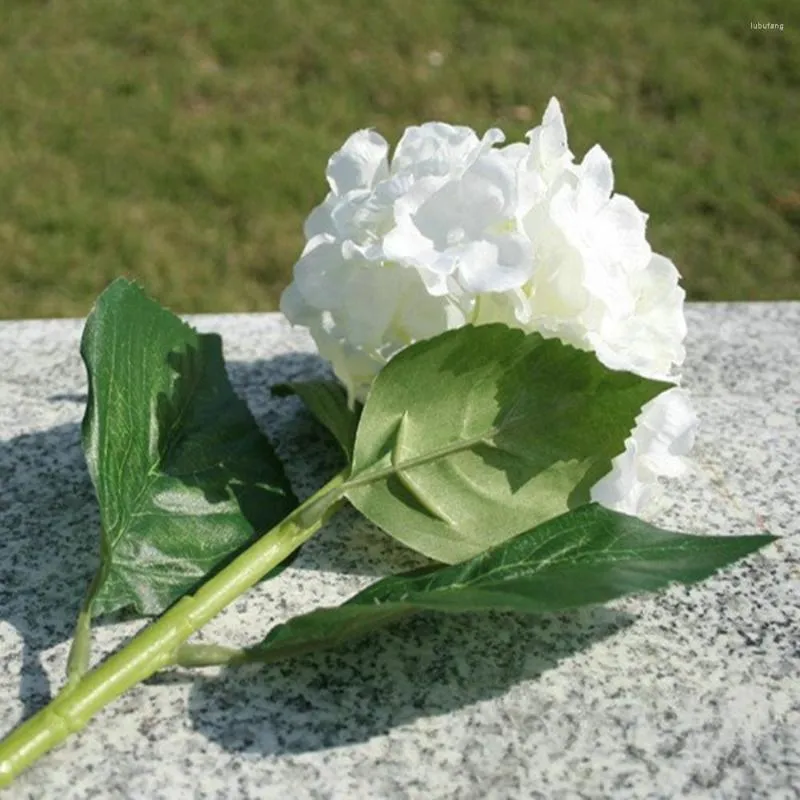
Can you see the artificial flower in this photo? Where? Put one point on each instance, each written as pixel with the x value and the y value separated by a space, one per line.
pixel 457 229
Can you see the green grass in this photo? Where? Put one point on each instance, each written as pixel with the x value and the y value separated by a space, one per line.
pixel 184 142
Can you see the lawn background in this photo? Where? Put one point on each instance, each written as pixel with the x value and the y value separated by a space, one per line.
pixel 183 142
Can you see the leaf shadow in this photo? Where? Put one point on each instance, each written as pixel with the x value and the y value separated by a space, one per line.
pixel 311 456
pixel 50 523
pixel 425 666
pixel 49 526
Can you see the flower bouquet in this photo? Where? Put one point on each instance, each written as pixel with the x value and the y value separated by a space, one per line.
pixel 506 349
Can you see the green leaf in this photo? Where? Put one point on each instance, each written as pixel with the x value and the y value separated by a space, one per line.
pixel 183 475
pixel 589 555
pixel 480 433
pixel 327 401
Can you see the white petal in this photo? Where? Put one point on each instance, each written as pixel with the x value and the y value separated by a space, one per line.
pixel 319 272
pixel 496 264
pixel 553 141
pixel 346 213
pixel 548 149
pixel 625 242
pixel 319 220
pixel 359 163
pixel 665 432
pixel 434 148
pixel 405 244
pixel 294 307
pixel 371 298
pixel 621 489
pixel 659 317
pixel 422 316
pixel 493 175
pixel 476 263
pixel 489 139
pixel 441 214
pixel 596 180
pixel 418 193
pixel 353 367
pixel 437 283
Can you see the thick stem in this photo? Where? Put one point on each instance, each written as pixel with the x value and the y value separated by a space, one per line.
pixel 157 646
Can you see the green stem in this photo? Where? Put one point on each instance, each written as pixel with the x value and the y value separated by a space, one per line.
pixel 81 650
pixel 219 655
pixel 157 646
pixel 210 655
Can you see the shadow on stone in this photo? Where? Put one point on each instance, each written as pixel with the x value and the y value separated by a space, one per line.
pixel 422 667
pixel 70 397
pixel 311 457
pixel 425 666
pixel 49 520
pixel 48 545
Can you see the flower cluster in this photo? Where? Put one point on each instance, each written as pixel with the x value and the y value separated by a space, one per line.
pixel 455 229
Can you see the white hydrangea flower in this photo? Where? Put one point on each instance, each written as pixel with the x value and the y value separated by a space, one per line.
pixel 663 436
pixel 456 229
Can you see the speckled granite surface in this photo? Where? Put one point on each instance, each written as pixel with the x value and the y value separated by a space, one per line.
pixel 691 693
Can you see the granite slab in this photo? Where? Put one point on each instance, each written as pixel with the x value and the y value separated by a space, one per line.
pixel 694 692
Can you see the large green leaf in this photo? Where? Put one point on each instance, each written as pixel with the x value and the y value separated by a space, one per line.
pixel 589 555
pixel 480 433
pixel 184 477
pixel 327 401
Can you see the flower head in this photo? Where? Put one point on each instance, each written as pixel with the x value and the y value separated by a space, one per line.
pixel 455 228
